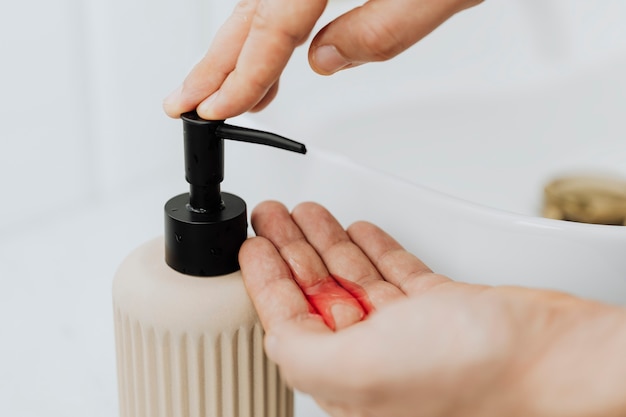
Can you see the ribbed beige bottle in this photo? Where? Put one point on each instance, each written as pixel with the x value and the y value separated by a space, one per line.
pixel 190 346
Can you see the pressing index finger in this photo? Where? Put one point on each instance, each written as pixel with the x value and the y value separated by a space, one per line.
pixel 208 75
pixel 277 28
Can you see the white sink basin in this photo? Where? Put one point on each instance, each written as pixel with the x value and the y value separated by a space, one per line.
pixel 466 241
pixel 459 180
pixel 449 146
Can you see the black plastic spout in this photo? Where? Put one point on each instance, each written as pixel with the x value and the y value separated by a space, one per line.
pixel 205 228
pixel 204 155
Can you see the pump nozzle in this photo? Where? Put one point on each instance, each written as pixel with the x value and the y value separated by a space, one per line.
pixel 205 228
pixel 204 155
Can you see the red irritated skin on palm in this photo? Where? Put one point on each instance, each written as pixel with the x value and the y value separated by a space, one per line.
pixel 335 290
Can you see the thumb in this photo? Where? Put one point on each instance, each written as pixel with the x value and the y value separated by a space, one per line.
pixel 378 31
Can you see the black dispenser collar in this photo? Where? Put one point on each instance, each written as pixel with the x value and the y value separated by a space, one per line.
pixel 205 228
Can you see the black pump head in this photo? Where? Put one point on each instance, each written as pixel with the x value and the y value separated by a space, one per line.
pixel 205 228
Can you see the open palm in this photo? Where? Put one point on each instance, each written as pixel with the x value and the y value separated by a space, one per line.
pixel 368 330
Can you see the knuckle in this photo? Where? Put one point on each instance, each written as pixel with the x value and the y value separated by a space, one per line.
pixel 245 7
pixel 259 84
pixel 381 40
pixel 265 22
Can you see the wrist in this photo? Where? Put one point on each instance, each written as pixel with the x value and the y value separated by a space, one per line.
pixel 579 368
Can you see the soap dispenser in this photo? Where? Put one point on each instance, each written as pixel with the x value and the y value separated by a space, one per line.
pixel 188 339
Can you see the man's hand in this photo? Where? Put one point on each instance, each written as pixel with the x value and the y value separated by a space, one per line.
pixel 241 69
pixel 368 330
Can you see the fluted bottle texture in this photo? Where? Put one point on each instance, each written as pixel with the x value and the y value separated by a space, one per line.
pixel 190 346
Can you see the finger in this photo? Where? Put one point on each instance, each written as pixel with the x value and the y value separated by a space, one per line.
pixel 378 31
pixel 209 74
pixel 268 280
pixel 298 341
pixel 336 305
pixel 267 99
pixel 343 258
pixel 397 266
pixel 317 361
pixel 277 28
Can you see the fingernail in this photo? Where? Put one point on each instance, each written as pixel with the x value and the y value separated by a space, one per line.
pixel 171 103
pixel 328 60
pixel 205 108
pixel 345 315
pixel 173 96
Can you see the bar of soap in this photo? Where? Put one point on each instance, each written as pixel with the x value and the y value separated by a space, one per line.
pixel 586 199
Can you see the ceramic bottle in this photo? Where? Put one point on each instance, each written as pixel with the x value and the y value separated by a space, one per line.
pixel 188 339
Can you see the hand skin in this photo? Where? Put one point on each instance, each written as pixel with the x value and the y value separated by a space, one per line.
pixel 429 346
pixel 241 69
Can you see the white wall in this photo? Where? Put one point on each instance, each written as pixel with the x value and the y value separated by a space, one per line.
pixel 82 84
